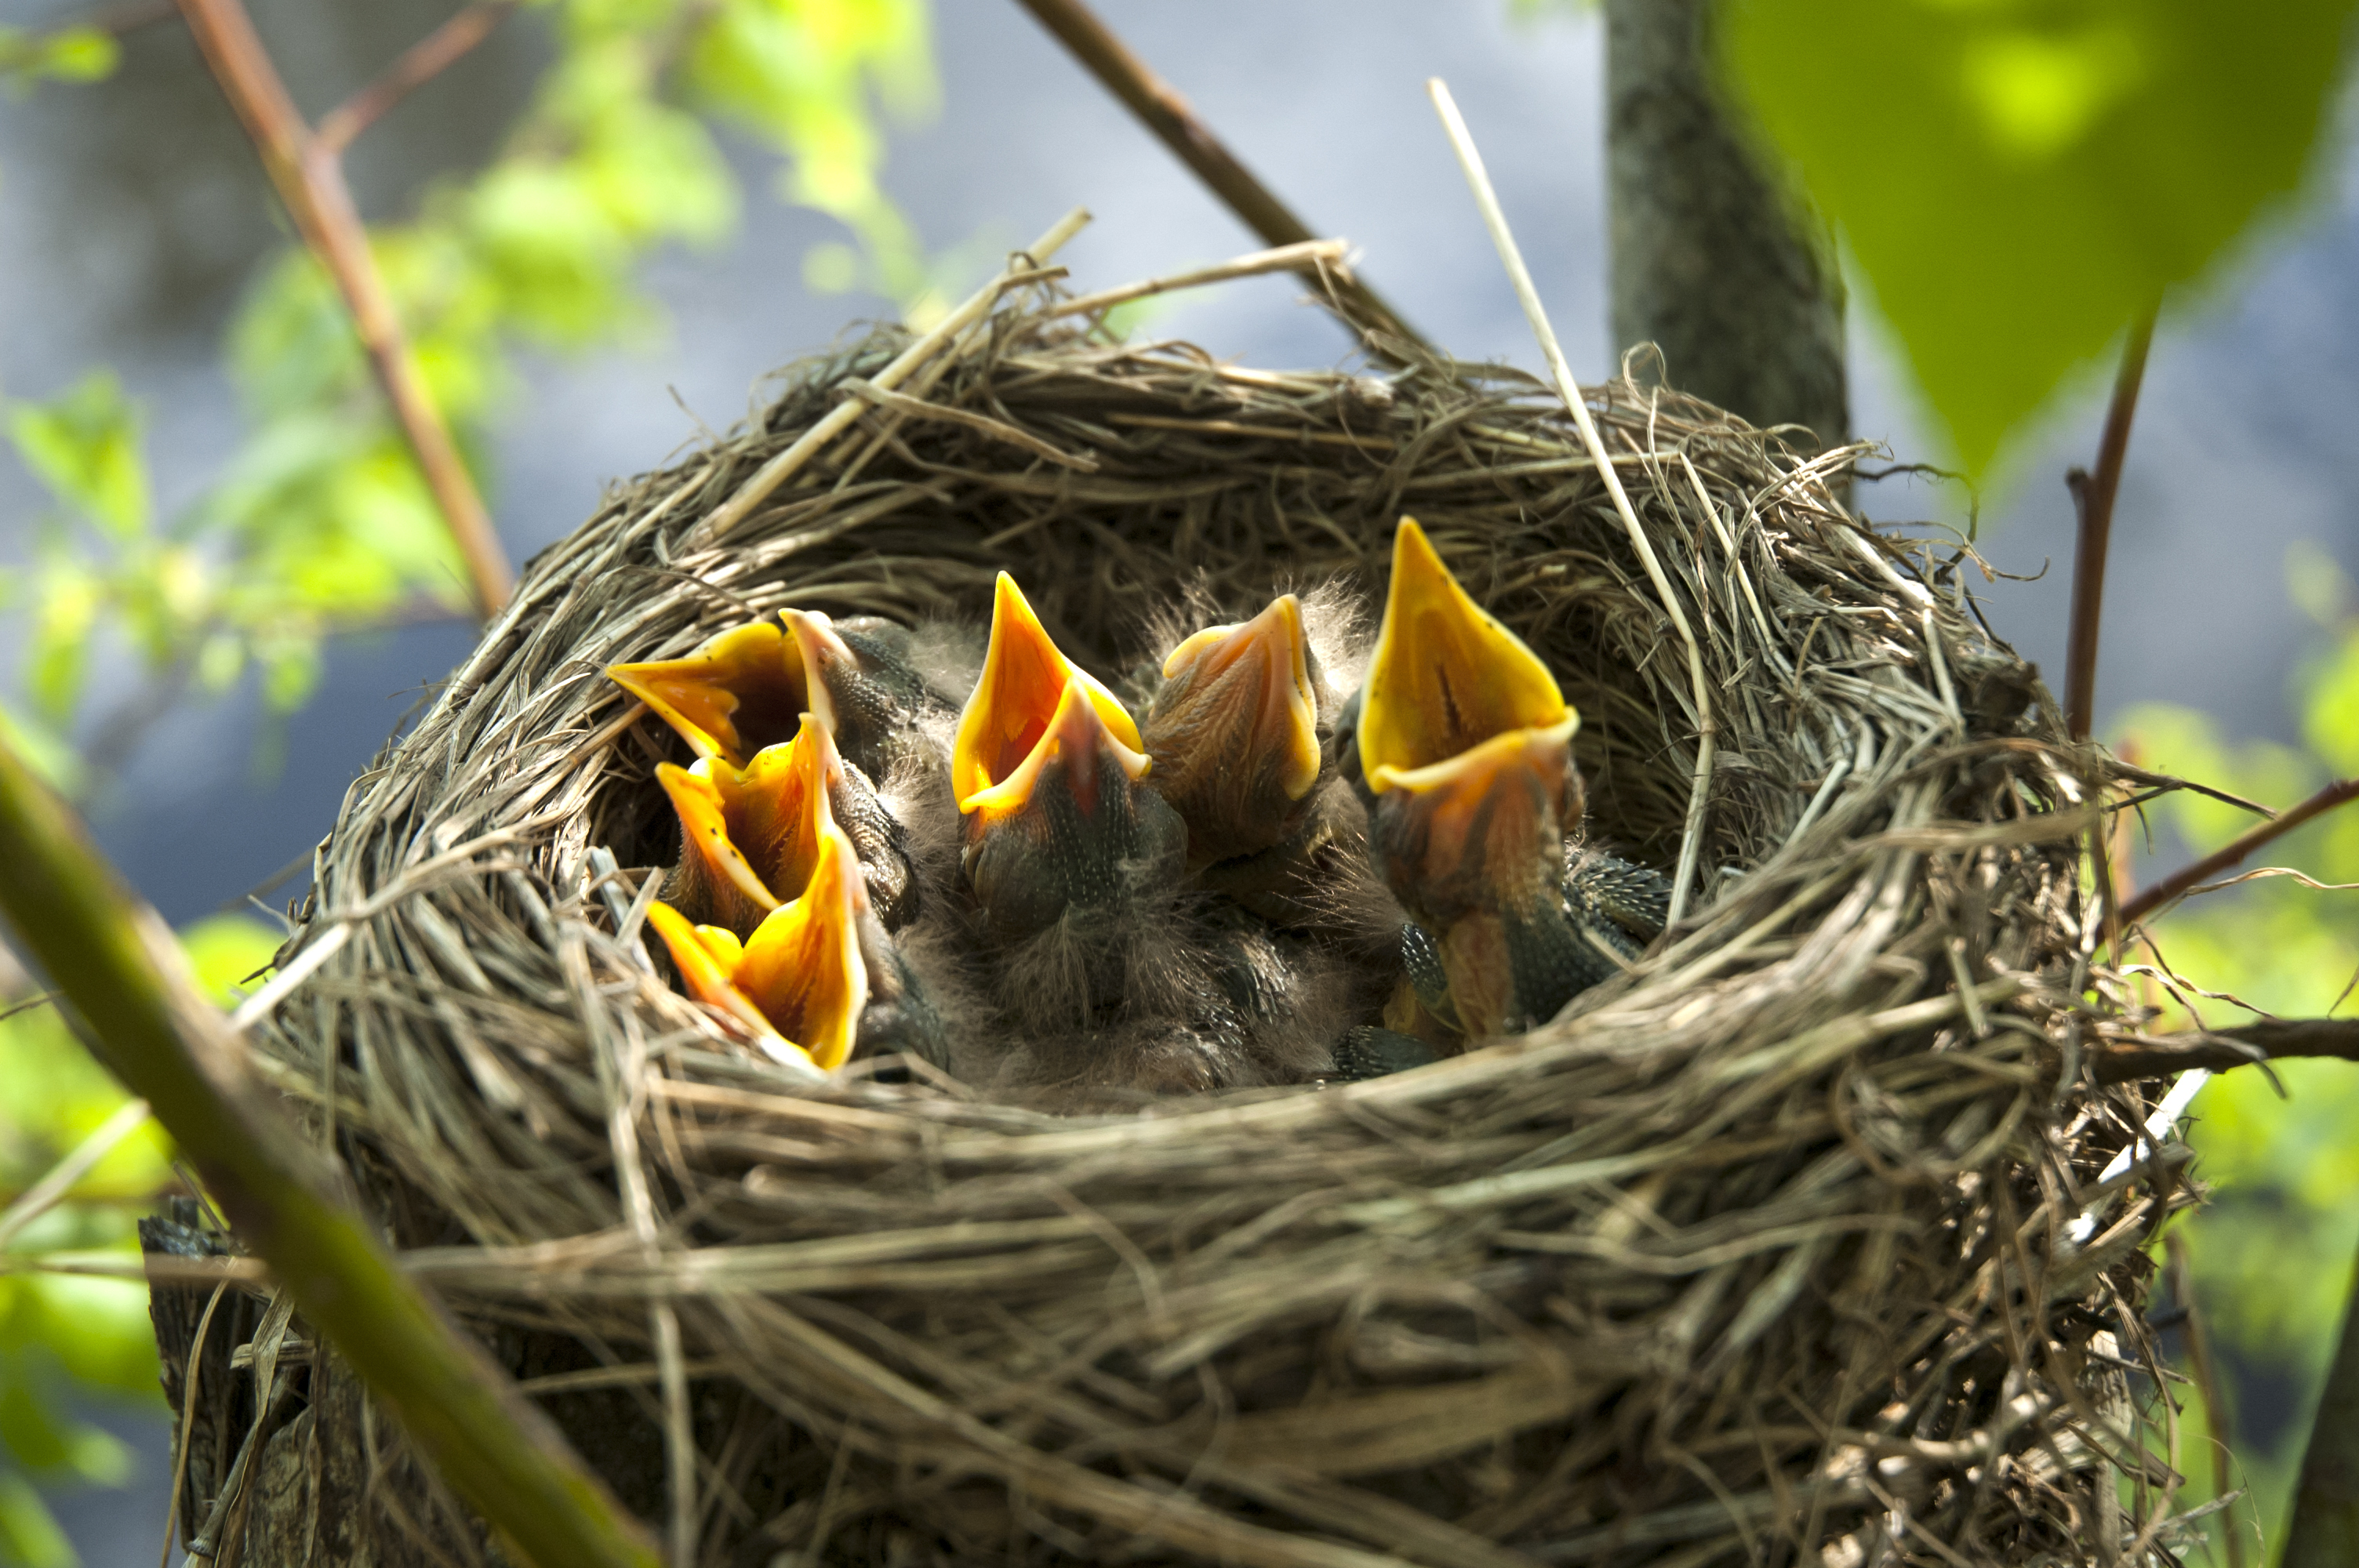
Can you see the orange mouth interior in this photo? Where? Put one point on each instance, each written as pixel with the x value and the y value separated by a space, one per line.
pixel 1032 704
pixel 1446 676
pixel 739 692
pixel 800 982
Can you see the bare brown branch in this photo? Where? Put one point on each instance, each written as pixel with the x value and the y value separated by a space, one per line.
pixel 1163 110
pixel 2270 1040
pixel 311 181
pixel 2179 882
pixel 2093 498
pixel 419 64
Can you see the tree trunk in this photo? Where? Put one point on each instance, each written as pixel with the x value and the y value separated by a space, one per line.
pixel 1714 259
pixel 2325 1529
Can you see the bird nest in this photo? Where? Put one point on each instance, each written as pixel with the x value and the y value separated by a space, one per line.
pixel 1789 1243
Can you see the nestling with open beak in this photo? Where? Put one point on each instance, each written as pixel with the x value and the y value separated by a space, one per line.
pixel 799 983
pixel 1111 975
pixel 815 970
pixel 866 678
pixel 1464 753
pixel 746 832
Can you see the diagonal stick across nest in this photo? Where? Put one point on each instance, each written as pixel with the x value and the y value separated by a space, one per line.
pixel 1766 1241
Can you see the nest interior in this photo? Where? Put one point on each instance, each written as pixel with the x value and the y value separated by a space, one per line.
pixel 1763 1252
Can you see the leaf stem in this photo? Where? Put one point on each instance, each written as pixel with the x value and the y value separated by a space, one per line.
pixel 138 1008
pixel 309 179
pixel 2182 880
pixel 1161 108
pixel 2093 500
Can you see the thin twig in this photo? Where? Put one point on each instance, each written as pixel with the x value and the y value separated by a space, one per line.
pixel 2217 1050
pixel 1495 220
pixel 139 1008
pixel 2207 1383
pixel 778 469
pixel 309 180
pixel 2092 499
pixel 1162 110
pixel 43 1194
pixel 2180 881
pixel 418 65
pixel 1285 258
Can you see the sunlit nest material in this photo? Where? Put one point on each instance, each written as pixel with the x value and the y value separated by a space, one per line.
pixel 1767 1253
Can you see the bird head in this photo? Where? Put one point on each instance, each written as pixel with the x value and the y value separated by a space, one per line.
pixel 749 837
pixel 1234 732
pixel 1463 742
pixel 736 694
pixel 860 681
pixel 1050 774
pixel 799 983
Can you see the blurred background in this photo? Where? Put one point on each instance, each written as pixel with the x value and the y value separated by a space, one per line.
pixel 154 331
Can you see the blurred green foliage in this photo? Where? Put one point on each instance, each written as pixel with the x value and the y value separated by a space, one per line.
pixel 68 54
pixel 320 523
pixel 68 1339
pixel 2271 1255
pixel 2016 181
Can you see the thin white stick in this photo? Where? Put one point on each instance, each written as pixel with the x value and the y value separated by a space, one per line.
pixel 299 969
pixel 1285 258
pixel 2158 1126
pixel 43 1194
pixel 1494 218
pixel 778 469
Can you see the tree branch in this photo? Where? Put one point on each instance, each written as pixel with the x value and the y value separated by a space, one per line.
pixel 311 181
pixel 1162 110
pixel 418 64
pixel 138 1008
pixel 2324 1531
pixel 2092 499
pixel 2269 1040
pixel 2230 854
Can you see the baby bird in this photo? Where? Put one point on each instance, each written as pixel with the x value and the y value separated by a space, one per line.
pixel 799 984
pixel 871 681
pixel 1241 731
pixel 1462 749
pixel 1234 731
pixel 739 692
pixel 1048 773
pixel 748 832
pixel 815 973
pixel 1111 979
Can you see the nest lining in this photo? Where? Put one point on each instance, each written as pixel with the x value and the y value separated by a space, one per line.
pixel 1758 1254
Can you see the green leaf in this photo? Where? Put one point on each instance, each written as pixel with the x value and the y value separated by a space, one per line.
pixel 225 951
pixel 2019 179
pixel 84 445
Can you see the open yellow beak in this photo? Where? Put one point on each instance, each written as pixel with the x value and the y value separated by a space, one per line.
pixel 749 836
pixel 1032 705
pixel 799 983
pixel 1446 677
pixel 737 693
pixel 1235 731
